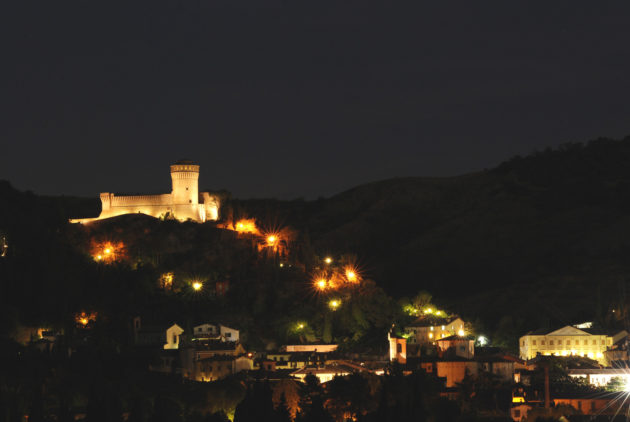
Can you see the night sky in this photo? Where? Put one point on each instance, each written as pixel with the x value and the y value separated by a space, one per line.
pixel 299 98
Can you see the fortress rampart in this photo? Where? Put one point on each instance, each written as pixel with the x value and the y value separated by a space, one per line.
pixel 184 202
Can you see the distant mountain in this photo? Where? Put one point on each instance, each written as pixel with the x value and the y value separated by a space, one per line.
pixel 553 228
pixel 549 232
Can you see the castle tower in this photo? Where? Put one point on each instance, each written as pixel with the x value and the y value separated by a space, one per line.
pixel 185 177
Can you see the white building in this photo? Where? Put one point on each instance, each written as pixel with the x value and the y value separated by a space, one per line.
pixel 602 376
pixel 568 341
pixel 172 337
pixel 430 329
pixel 216 331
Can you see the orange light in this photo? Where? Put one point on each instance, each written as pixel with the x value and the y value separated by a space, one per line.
pixel 351 273
pixel 246 226
pixel 321 284
pixel 108 252
pixel 84 318
pixel 328 260
pixel 166 280
pixel 197 285
pixel 271 239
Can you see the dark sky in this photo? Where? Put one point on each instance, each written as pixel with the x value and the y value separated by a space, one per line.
pixel 299 98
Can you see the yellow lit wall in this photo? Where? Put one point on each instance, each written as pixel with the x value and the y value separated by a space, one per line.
pixel 431 333
pixel 587 345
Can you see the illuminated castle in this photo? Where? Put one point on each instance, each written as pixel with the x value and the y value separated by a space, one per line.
pixel 185 202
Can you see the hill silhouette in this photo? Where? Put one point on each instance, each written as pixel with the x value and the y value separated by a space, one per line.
pixel 547 234
pixel 542 239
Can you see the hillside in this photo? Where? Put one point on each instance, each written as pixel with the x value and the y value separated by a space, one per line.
pixel 549 233
pixel 542 239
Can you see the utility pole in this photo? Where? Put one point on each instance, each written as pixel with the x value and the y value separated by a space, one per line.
pixel 547 399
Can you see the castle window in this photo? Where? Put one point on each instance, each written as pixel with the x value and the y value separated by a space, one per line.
pixel 186 188
pixel 190 201
pixel 542 342
pixel 534 342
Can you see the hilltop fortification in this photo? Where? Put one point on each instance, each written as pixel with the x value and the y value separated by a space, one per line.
pixel 185 202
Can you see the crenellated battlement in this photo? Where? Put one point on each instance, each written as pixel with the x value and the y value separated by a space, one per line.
pixel 137 200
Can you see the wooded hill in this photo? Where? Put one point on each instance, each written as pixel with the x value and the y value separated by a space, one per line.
pixel 542 239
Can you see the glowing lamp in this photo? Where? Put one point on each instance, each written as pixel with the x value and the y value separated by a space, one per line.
pixel 328 260
pixel 107 251
pixel 482 340
pixel 428 311
pixel 438 313
pixel 334 304
pixel 197 285
pixel 460 333
pixel 300 326
pixel 351 275
pixel 83 321
pixel 271 239
pixel 321 284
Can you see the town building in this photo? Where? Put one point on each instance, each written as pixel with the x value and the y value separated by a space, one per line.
pixel 429 328
pixel 184 203
pixel 211 360
pixel 216 331
pixel 330 370
pixel 600 377
pixel 172 337
pixel 397 348
pixel 455 369
pixel 463 347
pixel 315 348
pixel 569 341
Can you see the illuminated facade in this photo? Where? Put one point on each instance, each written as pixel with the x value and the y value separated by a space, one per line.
pixel 602 376
pixel 429 330
pixel 567 341
pixel 185 202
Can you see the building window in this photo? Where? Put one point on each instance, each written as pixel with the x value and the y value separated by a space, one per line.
pixel 568 342
pixel 551 342
pixel 603 342
pixel 584 342
pixel 559 342
pixel 228 335
pixel 534 342
pixel 594 342
pixel 542 342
